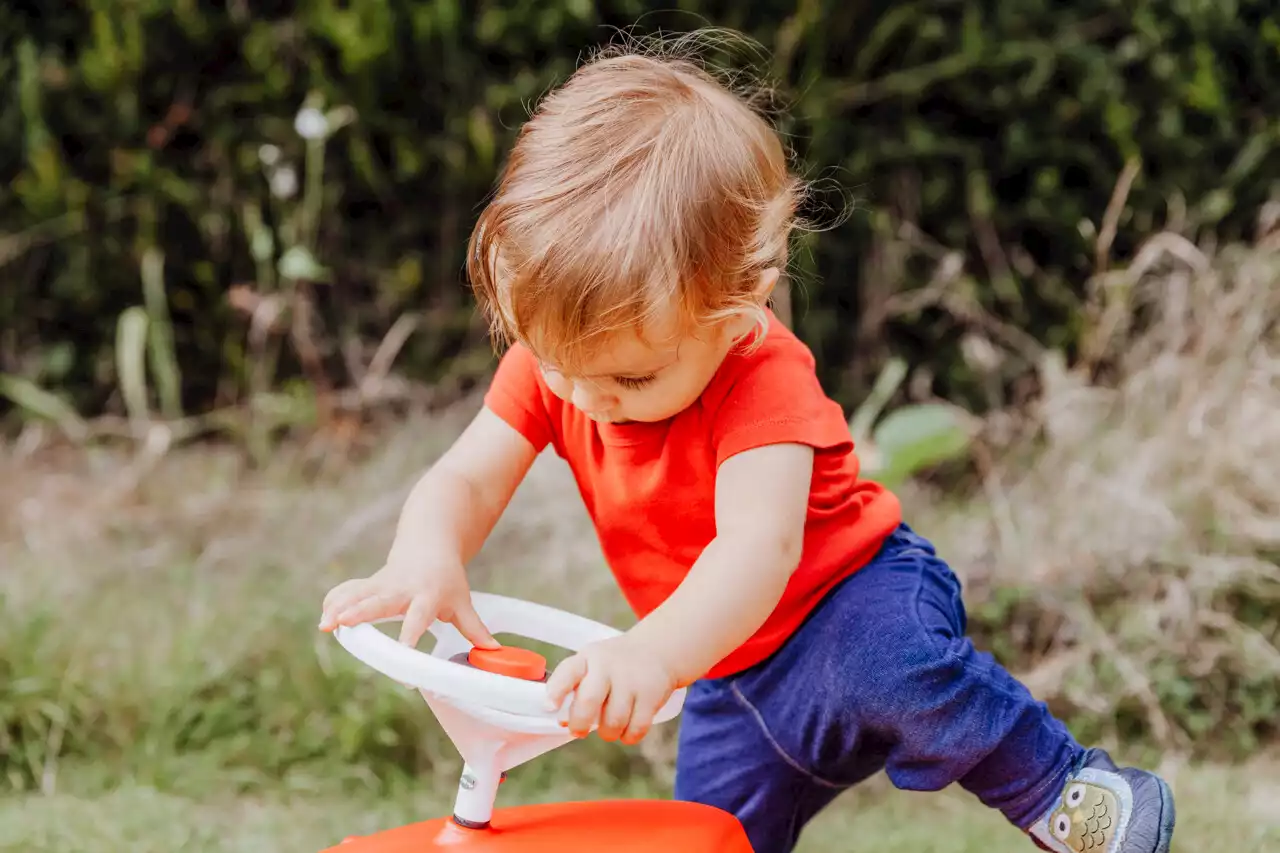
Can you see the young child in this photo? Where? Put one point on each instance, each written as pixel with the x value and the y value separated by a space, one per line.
pixel 628 256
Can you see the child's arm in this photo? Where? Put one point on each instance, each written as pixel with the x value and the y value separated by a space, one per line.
pixel 446 518
pixel 762 499
pixel 761 505
pixel 455 505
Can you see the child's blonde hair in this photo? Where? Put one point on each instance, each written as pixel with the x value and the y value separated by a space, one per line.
pixel 641 185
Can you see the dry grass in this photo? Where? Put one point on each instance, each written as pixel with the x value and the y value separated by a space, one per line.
pixel 1141 526
pixel 159 666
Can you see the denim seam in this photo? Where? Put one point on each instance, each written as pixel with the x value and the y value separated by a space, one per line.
pixel 777 747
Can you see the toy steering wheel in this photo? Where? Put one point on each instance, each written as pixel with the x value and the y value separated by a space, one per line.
pixel 505 687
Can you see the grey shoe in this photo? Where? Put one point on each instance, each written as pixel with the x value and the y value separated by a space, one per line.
pixel 1106 809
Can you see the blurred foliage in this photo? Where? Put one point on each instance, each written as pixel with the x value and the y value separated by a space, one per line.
pixel 910 439
pixel 143 210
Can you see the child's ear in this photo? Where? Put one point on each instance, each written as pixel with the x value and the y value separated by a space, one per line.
pixel 748 321
pixel 767 282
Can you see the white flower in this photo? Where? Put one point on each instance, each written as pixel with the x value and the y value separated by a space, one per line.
pixel 284 182
pixel 269 154
pixel 311 123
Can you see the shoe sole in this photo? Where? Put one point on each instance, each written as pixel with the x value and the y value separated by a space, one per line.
pixel 1168 817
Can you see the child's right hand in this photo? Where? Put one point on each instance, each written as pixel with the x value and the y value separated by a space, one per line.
pixel 420 591
pixel 445 519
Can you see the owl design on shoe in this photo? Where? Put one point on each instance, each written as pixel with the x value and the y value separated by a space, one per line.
pixel 1107 809
pixel 1087 819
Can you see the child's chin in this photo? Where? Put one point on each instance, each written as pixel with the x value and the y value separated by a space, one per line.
pixel 612 421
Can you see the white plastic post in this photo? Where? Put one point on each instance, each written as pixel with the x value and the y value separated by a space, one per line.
pixel 477 793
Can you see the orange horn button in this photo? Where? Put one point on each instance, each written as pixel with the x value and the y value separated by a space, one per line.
pixel 508 660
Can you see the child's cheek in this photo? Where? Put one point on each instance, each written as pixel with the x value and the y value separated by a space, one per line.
pixel 558 384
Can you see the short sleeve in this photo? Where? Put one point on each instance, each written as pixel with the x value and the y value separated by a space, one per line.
pixel 775 398
pixel 517 396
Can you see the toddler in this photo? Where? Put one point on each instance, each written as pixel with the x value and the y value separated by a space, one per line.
pixel 627 258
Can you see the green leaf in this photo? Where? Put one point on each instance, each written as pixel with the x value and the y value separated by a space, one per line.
pixel 339 117
pixel 39 403
pixel 887 384
pixel 917 437
pixel 298 263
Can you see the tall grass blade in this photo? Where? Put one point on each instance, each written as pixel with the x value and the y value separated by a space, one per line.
pixel 131 345
pixel 160 346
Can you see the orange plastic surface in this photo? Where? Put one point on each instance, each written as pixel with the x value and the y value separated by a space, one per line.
pixel 509 660
pixel 610 826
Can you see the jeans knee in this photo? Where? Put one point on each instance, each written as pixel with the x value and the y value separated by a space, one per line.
pixel 908 669
pixel 910 658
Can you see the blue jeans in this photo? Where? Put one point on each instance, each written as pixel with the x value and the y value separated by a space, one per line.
pixel 879 677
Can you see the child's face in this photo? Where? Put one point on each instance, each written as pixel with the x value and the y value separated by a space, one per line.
pixel 646 381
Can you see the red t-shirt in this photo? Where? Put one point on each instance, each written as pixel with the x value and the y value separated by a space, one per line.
pixel 650 488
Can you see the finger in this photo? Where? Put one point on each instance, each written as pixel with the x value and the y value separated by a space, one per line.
pixel 417 619
pixel 564 679
pixel 642 715
pixel 588 702
pixel 468 622
pixel 369 609
pixel 338 599
pixel 341 592
pixel 637 728
pixel 351 597
pixel 616 716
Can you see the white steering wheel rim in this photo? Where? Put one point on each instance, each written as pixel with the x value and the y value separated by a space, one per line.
pixel 467 687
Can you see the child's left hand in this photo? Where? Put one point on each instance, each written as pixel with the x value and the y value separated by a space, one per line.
pixel 620 683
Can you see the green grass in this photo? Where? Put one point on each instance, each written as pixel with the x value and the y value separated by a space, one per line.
pixel 163 687
pixel 1220 811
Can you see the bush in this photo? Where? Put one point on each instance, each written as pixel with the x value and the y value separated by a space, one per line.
pixel 996 131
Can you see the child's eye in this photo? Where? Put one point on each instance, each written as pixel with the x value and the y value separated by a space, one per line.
pixel 633 381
